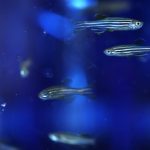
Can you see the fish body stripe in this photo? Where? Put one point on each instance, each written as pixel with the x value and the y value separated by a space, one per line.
pixel 122 49
pixel 130 50
pixel 106 24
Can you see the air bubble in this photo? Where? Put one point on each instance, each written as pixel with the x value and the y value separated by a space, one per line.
pixel 3 105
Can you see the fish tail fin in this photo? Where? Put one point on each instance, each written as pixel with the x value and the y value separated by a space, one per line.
pixel 80 26
pixel 86 91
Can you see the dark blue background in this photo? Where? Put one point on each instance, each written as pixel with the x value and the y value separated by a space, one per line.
pixel 119 114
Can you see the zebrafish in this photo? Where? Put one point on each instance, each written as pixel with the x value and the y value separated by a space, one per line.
pixel 71 139
pixel 59 92
pixel 128 50
pixel 109 24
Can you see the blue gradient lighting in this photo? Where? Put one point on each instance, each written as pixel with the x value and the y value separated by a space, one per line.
pixel 82 108
pixel 78 78
pixel 79 114
pixel 55 25
pixel 78 81
pixel 87 116
pixel 143 119
pixel 19 122
pixel 80 4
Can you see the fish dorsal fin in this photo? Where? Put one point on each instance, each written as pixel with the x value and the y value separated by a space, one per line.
pixel 100 16
pixel 139 42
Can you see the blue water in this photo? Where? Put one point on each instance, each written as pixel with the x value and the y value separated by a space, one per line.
pixel 117 116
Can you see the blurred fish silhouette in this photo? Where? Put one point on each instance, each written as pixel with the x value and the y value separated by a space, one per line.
pixel 58 92
pixel 72 139
pixel 24 68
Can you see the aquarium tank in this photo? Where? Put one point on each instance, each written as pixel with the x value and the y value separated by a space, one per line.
pixel 74 75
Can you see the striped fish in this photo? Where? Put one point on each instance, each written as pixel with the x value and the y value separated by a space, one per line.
pixel 109 24
pixel 128 50
pixel 60 92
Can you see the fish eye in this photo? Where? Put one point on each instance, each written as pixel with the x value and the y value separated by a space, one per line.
pixel 135 24
pixel 138 23
pixel 43 94
pixel 109 51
